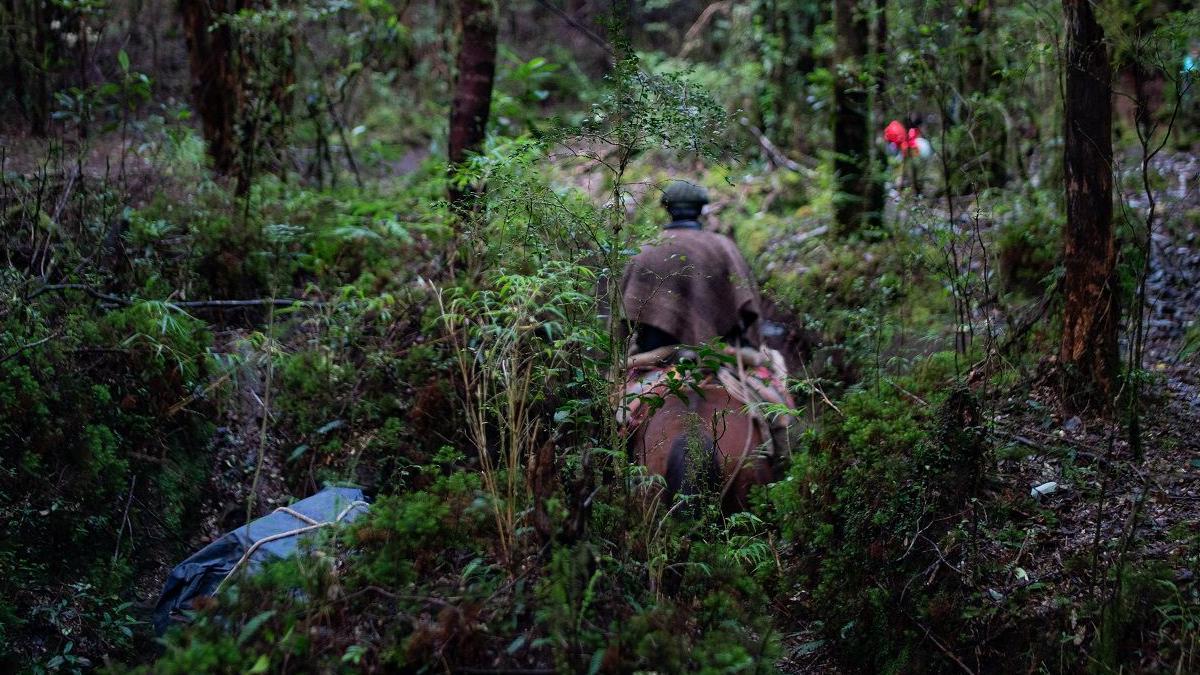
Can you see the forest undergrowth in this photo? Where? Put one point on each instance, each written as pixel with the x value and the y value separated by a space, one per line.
pixel 183 352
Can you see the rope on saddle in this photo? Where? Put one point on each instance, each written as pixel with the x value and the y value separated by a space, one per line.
pixel 759 378
pixel 763 383
pixel 734 387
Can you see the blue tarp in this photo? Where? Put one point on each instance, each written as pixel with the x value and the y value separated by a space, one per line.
pixel 201 574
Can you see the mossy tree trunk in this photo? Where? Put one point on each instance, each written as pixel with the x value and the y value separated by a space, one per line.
pixel 1088 351
pixel 25 59
pixel 987 123
pixel 879 67
pixel 267 63
pixel 241 86
pixel 851 135
pixel 476 71
pixel 217 76
pixel 793 24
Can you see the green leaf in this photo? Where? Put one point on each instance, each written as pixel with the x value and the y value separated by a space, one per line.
pixel 515 645
pixel 261 665
pixel 808 648
pixel 252 627
pixel 123 59
pixel 597 661
pixel 354 654
pixel 330 426
pixel 470 568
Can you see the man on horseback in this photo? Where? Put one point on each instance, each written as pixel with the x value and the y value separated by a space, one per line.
pixel 692 286
pixel 688 288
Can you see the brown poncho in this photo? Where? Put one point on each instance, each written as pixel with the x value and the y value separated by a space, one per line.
pixel 694 285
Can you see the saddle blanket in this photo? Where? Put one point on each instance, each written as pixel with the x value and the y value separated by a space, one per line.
pixel 751 376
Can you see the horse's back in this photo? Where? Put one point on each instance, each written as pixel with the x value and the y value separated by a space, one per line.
pixel 704 433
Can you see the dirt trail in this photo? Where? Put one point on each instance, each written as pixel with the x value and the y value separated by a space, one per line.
pixel 233 460
pixel 237 444
pixel 1173 285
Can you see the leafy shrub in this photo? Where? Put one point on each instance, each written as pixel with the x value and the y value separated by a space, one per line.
pixel 875 505
pixel 1028 241
pixel 410 533
pixel 92 452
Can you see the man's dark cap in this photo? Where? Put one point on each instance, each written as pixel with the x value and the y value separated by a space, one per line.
pixel 681 193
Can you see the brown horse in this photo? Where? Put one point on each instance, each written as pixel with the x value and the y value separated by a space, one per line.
pixel 704 434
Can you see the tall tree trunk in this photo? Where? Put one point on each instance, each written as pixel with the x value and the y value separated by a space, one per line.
pixel 1088 352
pixel 476 65
pixel 25 59
pixel 793 23
pixel 851 137
pixel 782 70
pixel 974 30
pixel 241 137
pixel 267 59
pixel 879 66
pixel 217 77
pixel 989 127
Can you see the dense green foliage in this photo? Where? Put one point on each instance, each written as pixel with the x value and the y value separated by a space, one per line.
pixel 179 355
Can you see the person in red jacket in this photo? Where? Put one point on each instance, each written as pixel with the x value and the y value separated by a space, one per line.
pixel 904 142
pixel 907 144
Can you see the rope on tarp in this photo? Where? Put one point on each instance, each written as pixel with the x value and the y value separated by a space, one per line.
pixel 312 524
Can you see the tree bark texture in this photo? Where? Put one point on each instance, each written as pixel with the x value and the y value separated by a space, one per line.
pixel 975 32
pixel 879 67
pixel 267 60
pixel 792 23
pixel 1088 352
pixel 476 66
pixel 987 124
pixel 241 86
pixel 217 76
pixel 851 136
pixel 25 59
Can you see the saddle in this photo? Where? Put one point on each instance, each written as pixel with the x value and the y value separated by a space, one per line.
pixel 753 377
